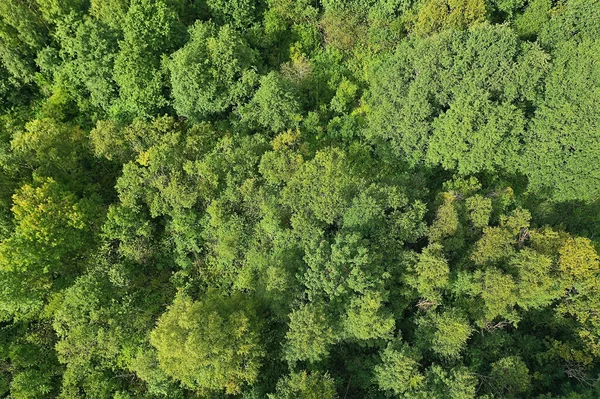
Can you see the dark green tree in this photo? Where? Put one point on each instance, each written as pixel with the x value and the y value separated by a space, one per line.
pixel 213 72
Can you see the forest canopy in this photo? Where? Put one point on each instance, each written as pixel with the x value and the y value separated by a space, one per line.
pixel 294 199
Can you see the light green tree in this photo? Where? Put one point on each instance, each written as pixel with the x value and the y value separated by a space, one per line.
pixel 367 318
pixel 210 345
pixel 310 334
pixel 437 15
pixel 53 232
pixel 305 385
pixel 430 274
pixel 565 138
pixel 324 186
pixel 454 383
pixel 398 372
pixel 445 333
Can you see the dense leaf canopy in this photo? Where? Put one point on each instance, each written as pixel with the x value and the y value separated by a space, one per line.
pixel 296 199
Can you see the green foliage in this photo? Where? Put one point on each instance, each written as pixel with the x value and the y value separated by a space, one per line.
pixel 303 385
pixel 212 72
pixel 455 140
pixel 22 33
pixel 537 286
pixel 480 209
pixel 578 259
pixel 50 219
pixel 498 294
pixel 366 318
pixel 192 348
pixel 53 231
pixel 445 333
pixel 495 245
pixel 278 166
pixel 510 377
pixel 30 384
pixel 298 199
pixel 49 215
pixel 430 274
pixel 438 15
pixel 50 147
pixel 339 269
pixel 54 9
pixel 274 105
pixel 310 334
pixel 93 326
pixel 111 12
pixel 536 15
pixel 238 13
pixel 446 223
pixel 88 51
pixel 398 371
pixel 458 383
pixel 323 187
pixel 558 151
pixel 150 30
pixel 422 106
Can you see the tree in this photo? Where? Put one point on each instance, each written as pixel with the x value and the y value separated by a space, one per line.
pixel 476 134
pixel 213 72
pixel 496 245
pixel 278 166
pixel 111 12
pixel 151 29
pixel 210 345
pixel 510 377
pixel 338 270
pixel 480 209
pixel 132 230
pixel 445 333
pixel 455 383
pixel 53 231
pixel 558 153
pixel 579 265
pixel 238 13
pixel 324 186
pixel 108 141
pixel 52 148
pixel 22 33
pixel 430 275
pixel 398 372
pixel 535 16
pixel 421 108
pixel 303 385
pixel 447 222
pixel 29 360
pixel 437 15
pixel 30 384
pixel 94 322
pixel 310 334
pixel 54 9
pixel 537 285
pixel 498 293
pixel 52 226
pixel 274 105
pixel 88 52
pixel 366 318
pixel 578 260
